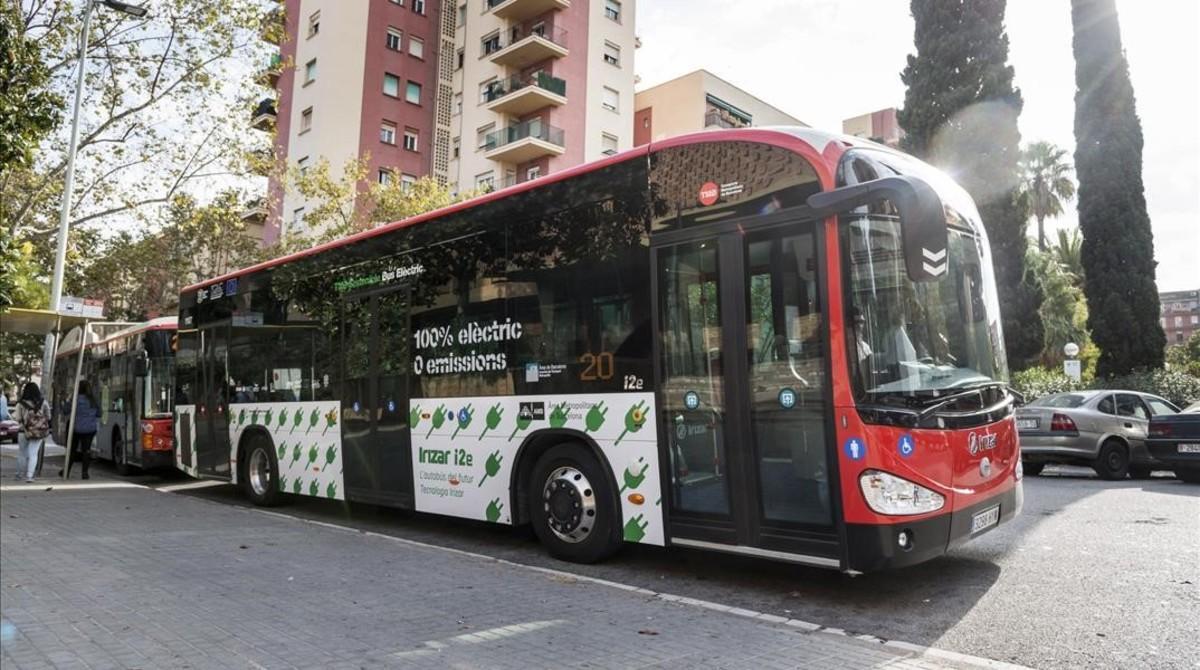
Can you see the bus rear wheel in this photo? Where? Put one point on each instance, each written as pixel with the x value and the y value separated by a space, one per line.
pixel 259 474
pixel 573 509
pixel 118 455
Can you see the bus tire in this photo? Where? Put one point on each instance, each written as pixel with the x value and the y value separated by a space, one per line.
pixel 118 454
pixel 1113 462
pixel 259 472
pixel 572 506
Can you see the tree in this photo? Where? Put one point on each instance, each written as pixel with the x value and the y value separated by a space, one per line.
pixel 28 109
pixel 1067 252
pixel 1063 311
pixel 1046 183
pixel 960 113
pixel 1118 245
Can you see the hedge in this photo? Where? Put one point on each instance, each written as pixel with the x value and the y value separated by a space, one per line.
pixel 1179 387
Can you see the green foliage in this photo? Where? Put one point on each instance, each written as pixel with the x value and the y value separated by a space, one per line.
pixel 1063 311
pixel 28 110
pixel 1045 184
pixel 1180 388
pixel 1067 252
pixel 1185 357
pixel 1118 244
pixel 960 113
pixel 1036 382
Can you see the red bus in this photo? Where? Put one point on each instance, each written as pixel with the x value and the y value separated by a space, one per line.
pixel 773 342
pixel 131 370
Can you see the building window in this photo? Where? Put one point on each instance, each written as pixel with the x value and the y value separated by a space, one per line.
pixel 1179 322
pixel 533 172
pixel 310 72
pixel 297 219
pixel 314 24
pixel 1195 320
pixel 385 176
pixel 612 54
pixel 302 166
pixel 398 2
pixel 416 47
pixel 491 43
pixel 306 120
pixel 611 100
pixel 456 147
pixel 485 181
pixel 458 103
pixel 406 182
pixel 391 85
pixel 419 6
pixel 413 93
pixel 612 9
pixel 410 139
pixel 488 91
pixel 394 38
pixel 387 133
pixel 608 144
pixel 481 136
pixel 462 15
pixel 459 60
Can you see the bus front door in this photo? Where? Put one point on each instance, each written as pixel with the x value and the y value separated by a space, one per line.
pixel 375 362
pixel 743 391
pixel 212 411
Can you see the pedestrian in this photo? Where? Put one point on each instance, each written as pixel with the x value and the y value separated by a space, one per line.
pixel 87 420
pixel 32 414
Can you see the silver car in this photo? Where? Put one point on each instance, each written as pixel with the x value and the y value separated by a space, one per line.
pixel 1102 429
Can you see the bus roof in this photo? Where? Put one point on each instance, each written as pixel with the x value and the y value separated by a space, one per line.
pixel 70 343
pixel 807 141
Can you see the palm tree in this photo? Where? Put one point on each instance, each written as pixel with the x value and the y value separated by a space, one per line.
pixel 1046 183
pixel 1068 253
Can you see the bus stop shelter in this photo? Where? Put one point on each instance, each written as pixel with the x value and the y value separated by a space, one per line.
pixel 21 321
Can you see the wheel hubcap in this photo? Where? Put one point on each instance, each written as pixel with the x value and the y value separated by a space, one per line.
pixel 570 504
pixel 259 472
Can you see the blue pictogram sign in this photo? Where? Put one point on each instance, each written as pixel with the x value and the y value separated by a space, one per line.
pixel 787 398
pixel 906 445
pixel 691 400
pixel 855 448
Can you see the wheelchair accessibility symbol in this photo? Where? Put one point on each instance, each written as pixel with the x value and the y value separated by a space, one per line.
pixel 906 446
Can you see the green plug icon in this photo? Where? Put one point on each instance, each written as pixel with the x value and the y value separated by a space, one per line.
pixel 267 418
pixel 558 416
pixel 330 457
pixel 313 454
pixel 282 451
pixel 595 417
pixel 282 418
pixel 522 423
pixel 464 420
pixel 331 490
pixel 634 478
pixel 492 466
pixel 297 418
pixel 314 488
pixel 439 418
pixel 296 452
pixel 493 510
pixel 635 418
pixel 312 419
pixel 635 529
pixel 492 419
pixel 297 486
pixel 414 416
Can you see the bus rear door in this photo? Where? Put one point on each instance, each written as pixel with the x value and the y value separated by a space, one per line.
pixel 212 407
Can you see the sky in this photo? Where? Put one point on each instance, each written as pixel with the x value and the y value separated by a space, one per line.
pixel 826 60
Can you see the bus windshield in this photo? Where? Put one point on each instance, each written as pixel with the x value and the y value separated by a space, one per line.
pixel 158 388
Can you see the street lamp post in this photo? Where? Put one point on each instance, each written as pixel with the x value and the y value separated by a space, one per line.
pixel 60 256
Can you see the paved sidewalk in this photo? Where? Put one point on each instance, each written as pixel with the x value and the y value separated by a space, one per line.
pixel 137 578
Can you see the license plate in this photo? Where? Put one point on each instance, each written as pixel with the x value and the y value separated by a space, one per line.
pixel 1188 448
pixel 1027 424
pixel 985 519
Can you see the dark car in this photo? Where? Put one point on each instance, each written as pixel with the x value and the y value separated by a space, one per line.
pixel 8 431
pixel 1175 441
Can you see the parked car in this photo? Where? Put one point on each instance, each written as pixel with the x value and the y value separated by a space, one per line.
pixel 1174 441
pixel 1103 429
pixel 8 431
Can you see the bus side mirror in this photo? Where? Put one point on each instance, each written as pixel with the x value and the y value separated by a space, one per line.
pixel 922 218
pixel 141 364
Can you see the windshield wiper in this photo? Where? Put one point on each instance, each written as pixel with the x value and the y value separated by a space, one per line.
pixel 955 397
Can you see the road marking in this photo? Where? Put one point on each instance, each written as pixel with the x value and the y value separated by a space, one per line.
pixel 52 486
pixel 479 637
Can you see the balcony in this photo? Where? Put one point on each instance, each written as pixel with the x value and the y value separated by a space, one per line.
pixel 526 47
pixel 263 117
pixel 269 75
pixel 723 120
pixel 524 142
pixel 519 95
pixel 519 10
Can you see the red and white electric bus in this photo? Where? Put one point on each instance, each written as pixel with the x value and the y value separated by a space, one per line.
pixel 774 342
pixel 131 370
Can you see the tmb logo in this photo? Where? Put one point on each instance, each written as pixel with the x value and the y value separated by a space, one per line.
pixel 977 443
pixel 709 193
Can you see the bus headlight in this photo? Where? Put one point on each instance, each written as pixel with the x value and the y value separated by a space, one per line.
pixel 889 494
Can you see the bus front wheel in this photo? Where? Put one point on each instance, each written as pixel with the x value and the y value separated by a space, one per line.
pixel 260 473
pixel 572 506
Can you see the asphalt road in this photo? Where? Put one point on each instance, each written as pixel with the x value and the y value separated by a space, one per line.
pixel 1092 574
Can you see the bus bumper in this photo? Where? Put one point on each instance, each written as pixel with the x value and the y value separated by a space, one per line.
pixel 157 459
pixel 874 547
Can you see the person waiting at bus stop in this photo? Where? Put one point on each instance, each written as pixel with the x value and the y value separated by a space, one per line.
pixel 32 415
pixel 87 419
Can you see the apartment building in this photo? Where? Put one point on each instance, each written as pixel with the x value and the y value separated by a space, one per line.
pixel 697 101
pixel 479 94
pixel 879 126
pixel 1180 315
